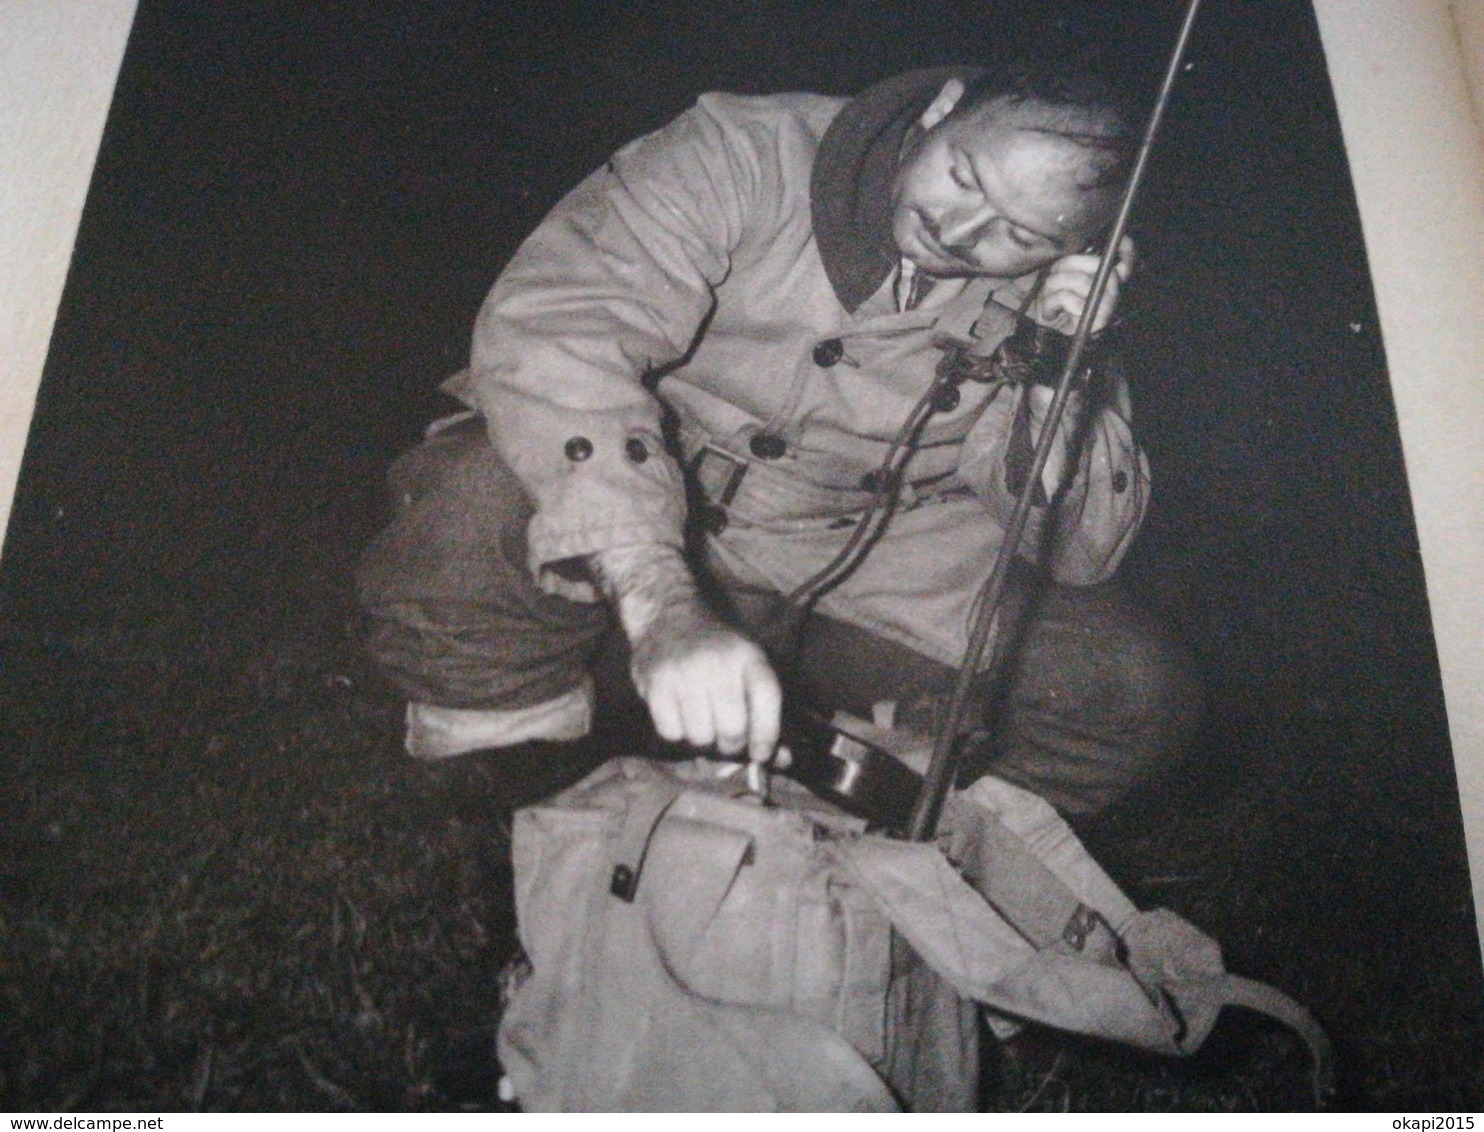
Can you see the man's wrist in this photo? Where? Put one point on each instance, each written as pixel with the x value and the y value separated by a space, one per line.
pixel 643 582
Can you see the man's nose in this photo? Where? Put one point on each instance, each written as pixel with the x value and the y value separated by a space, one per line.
pixel 961 229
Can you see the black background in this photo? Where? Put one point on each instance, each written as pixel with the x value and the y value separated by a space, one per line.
pixel 299 207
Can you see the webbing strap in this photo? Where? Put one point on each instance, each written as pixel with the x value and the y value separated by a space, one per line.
pixel 1028 895
pixel 1038 904
pixel 1235 990
pixel 646 809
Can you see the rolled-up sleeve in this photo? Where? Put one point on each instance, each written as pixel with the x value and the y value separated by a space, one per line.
pixel 614 283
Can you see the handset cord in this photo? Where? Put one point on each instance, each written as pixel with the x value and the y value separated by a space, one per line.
pixel 887 491
pixel 888 481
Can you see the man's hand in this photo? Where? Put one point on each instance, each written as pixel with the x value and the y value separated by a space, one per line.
pixel 1064 293
pixel 704 682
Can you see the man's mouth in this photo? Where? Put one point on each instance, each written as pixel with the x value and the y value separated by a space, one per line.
pixel 933 244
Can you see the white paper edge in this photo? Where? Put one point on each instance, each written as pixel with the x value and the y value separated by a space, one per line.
pixel 59 60
pixel 1400 72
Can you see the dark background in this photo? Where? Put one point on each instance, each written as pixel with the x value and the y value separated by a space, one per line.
pixel 299 207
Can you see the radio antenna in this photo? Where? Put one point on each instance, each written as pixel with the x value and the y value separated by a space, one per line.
pixel 942 768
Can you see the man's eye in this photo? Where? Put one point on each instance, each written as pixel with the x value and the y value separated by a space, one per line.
pixel 1021 240
pixel 960 178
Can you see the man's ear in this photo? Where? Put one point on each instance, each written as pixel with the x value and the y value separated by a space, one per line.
pixel 946 100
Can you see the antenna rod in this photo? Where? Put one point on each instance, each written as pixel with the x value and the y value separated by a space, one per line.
pixel 942 768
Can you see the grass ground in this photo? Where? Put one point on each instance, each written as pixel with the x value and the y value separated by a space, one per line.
pixel 222 887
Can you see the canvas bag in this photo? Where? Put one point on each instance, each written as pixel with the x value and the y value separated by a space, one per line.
pixel 691 949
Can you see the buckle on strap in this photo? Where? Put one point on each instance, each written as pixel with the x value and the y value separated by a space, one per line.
pixel 719 473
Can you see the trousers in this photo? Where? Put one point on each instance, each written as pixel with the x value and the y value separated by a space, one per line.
pixel 1085 700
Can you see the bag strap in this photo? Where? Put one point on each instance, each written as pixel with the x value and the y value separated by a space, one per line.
pixel 1029 896
pixel 647 804
pixel 1211 993
pixel 1044 909
pixel 1166 1008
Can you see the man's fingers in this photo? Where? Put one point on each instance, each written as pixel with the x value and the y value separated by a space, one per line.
pixel 1076 284
pixel 679 707
pixel 717 690
pixel 696 714
pixel 1087 262
pixel 731 717
pixel 664 710
pixel 1064 298
pixel 764 707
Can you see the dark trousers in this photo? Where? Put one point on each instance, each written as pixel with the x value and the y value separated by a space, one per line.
pixel 1085 701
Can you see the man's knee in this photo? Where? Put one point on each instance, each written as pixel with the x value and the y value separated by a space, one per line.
pixel 1094 656
pixel 1100 703
pixel 455 618
pixel 457 528
pixel 481 656
pixel 1159 691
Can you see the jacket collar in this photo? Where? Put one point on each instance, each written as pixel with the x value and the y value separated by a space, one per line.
pixel 851 185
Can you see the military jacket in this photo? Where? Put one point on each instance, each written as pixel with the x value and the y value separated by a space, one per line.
pixel 676 308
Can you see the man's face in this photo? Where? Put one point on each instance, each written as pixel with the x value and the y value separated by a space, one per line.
pixel 983 194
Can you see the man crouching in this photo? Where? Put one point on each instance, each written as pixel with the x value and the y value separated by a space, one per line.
pixel 724 330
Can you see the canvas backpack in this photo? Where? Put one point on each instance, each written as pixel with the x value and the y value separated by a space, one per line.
pixel 689 948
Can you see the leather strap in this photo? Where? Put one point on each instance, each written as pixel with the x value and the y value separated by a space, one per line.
pixel 647 805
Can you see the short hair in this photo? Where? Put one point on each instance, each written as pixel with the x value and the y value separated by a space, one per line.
pixel 1062 97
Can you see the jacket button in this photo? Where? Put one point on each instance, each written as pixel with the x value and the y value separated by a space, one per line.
pixel 875 480
pixel 579 448
pixel 945 397
pixel 828 352
pixel 1120 482
pixel 766 446
pixel 635 450
pixel 713 519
